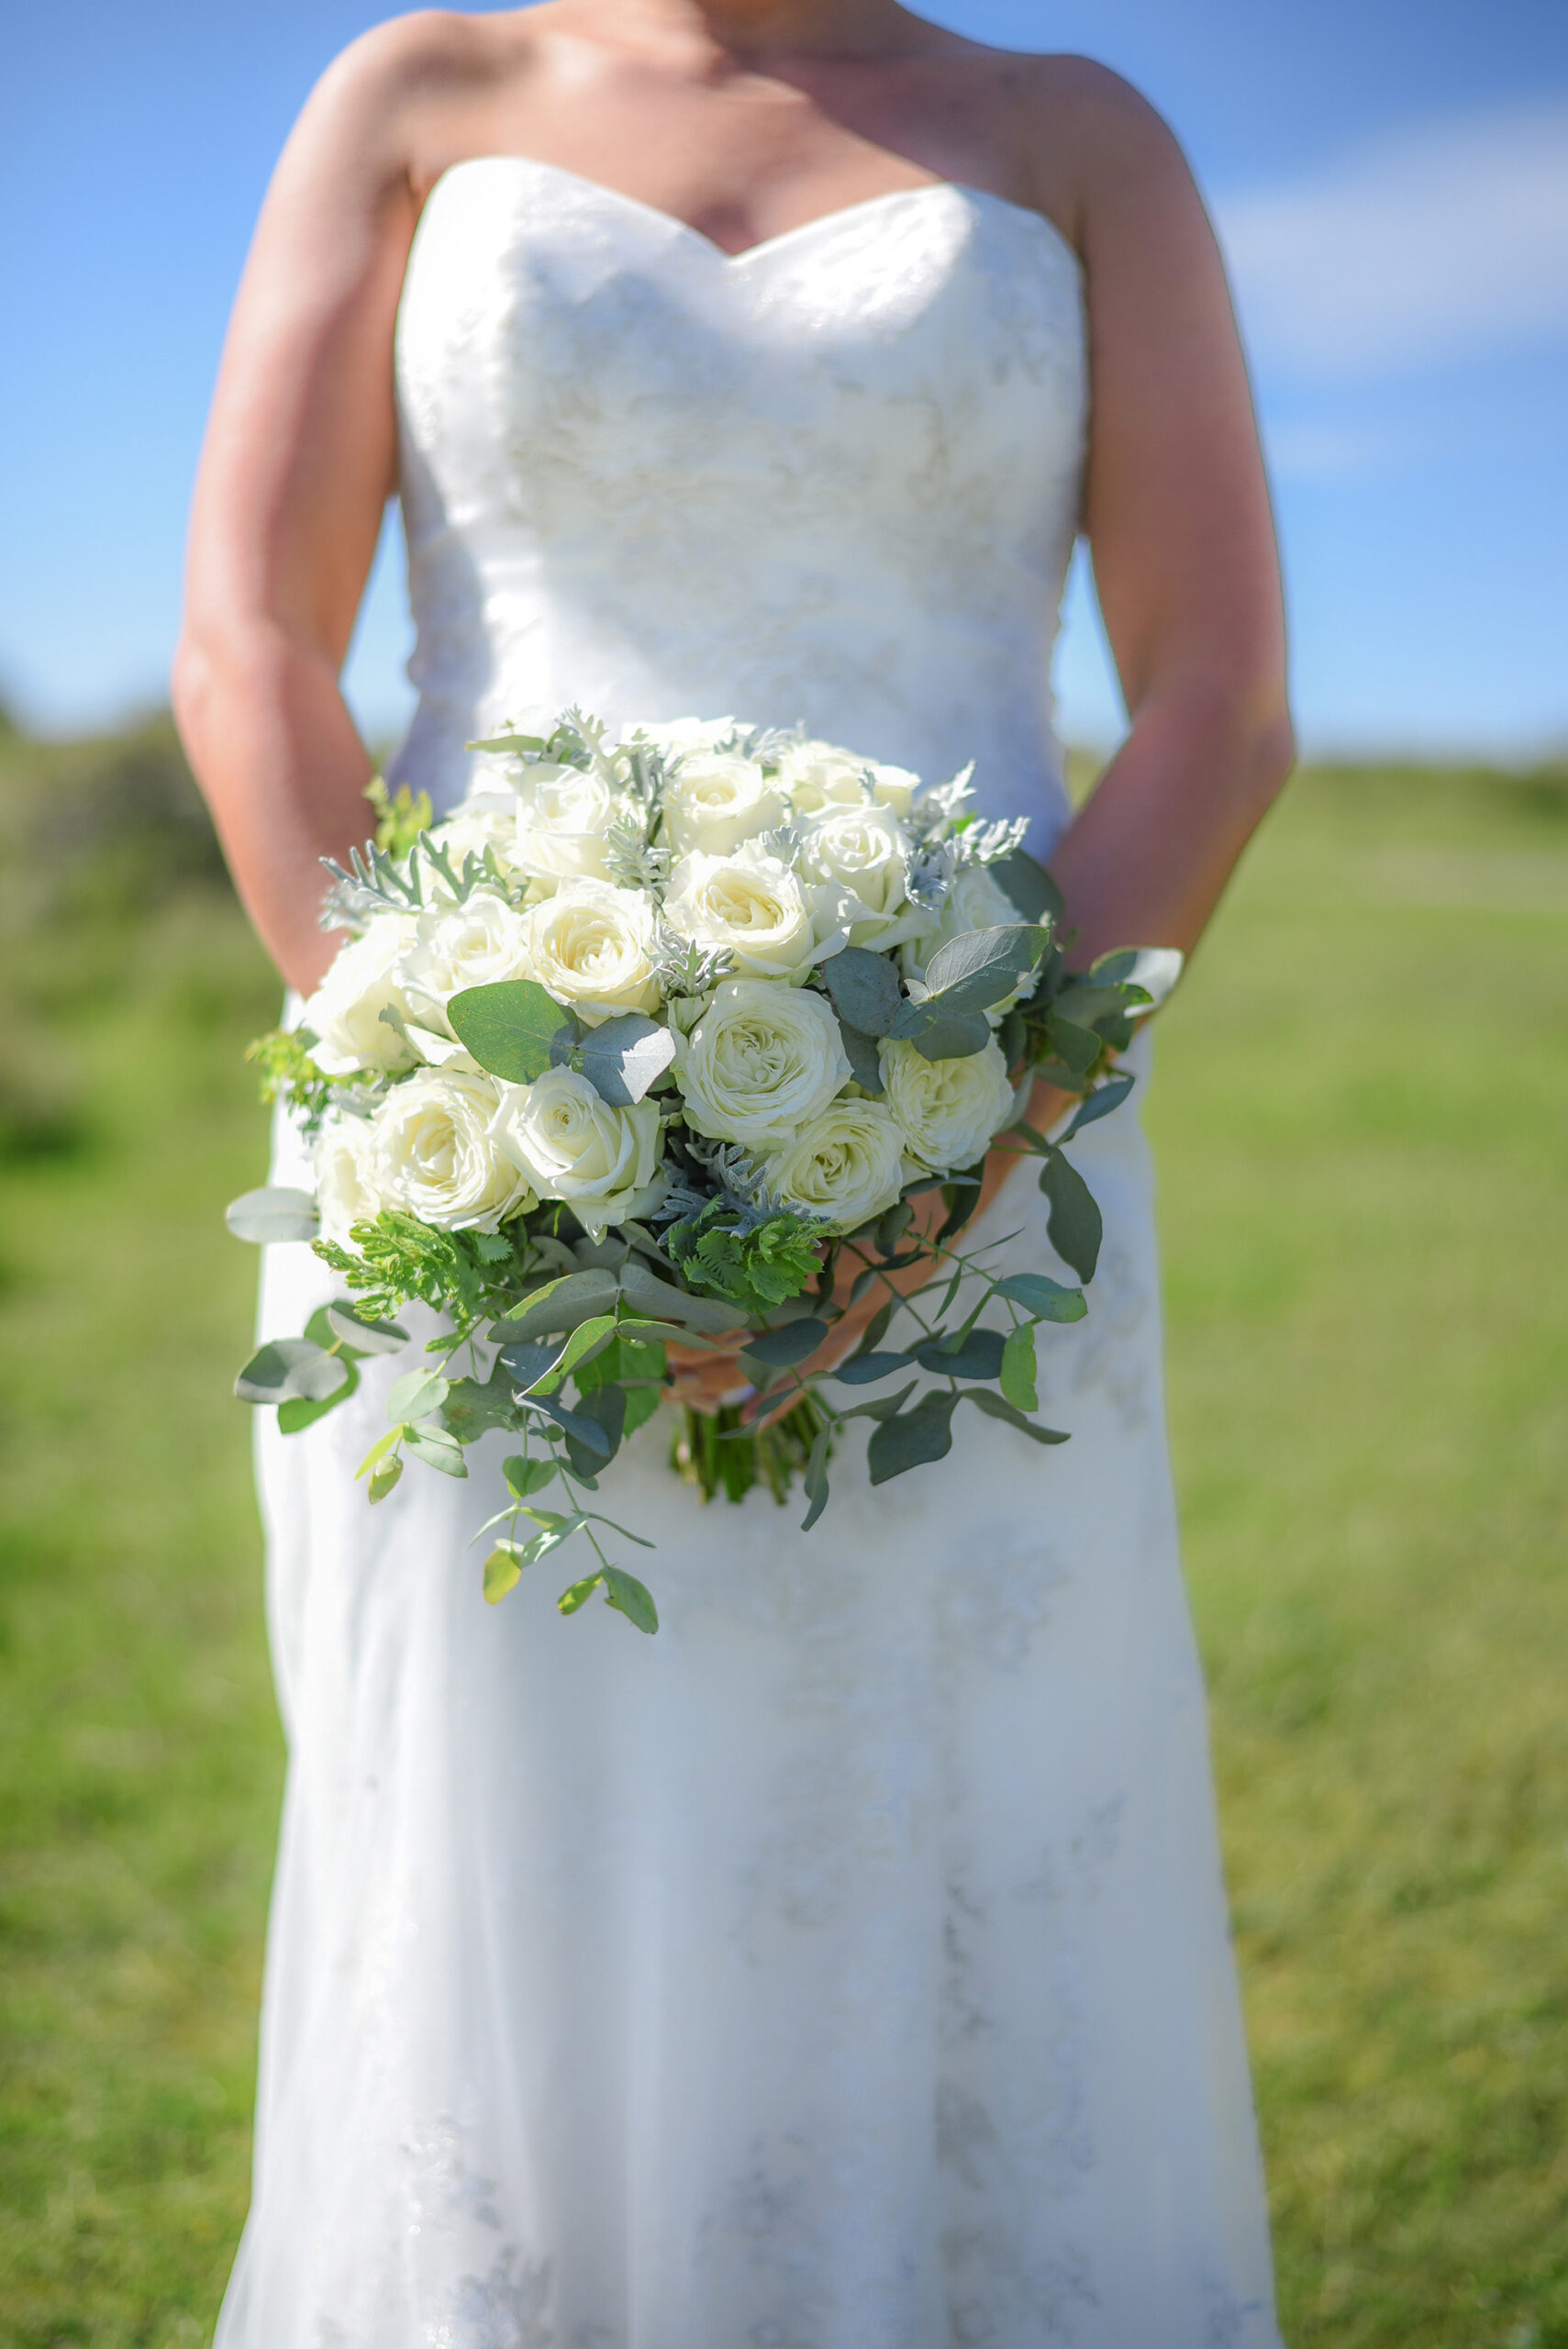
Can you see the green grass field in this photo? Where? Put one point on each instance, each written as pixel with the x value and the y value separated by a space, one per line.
pixel 1362 1113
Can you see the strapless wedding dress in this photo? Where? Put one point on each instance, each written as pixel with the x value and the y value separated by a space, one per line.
pixel 846 1967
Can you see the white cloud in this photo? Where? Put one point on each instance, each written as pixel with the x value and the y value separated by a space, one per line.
pixel 1447 241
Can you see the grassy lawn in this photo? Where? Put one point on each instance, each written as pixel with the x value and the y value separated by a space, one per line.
pixel 1361 1110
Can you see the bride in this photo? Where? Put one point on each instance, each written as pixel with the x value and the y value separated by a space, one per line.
pixel 847 1967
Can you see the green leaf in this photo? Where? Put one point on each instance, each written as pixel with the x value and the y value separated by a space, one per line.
pixel 588 1339
pixel 525 1477
pixel 910 1439
pixel 816 1478
pixel 528 1360
pixel 378 1451
pixel 996 1408
pixel 417 1395
pixel 1046 1299
pixel 1154 968
pixel 550 1536
pixel 581 1429
pixel 1074 1223
pixel 1018 1368
pixel 861 1051
pixel 291 1367
pixel 473 1407
pixel 893 1226
pixel 501 1572
pixel 864 1370
pixel 659 1299
pixel 623 1057
pixel 1100 1103
pixel 641 1402
pixel 300 1411
pixel 976 1355
pixel 876 1327
pixel 603 1410
pixel 630 1597
pixel 1029 886
pixel 510 1028
pixel 865 990
pixel 976 970
pixel 557 1306
pixel 791 1343
pixel 272 1214
pixel 1076 1048
pixel 578 1594
pixel 429 1442
pixel 939 1033
pixel 365 1336
pixel 386 1474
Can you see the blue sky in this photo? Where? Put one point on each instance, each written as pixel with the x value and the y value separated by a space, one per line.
pixel 1390 178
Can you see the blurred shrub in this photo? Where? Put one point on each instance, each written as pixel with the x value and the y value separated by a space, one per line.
pixel 102 844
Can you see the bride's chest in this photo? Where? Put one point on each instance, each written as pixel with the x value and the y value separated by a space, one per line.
pixel 555 338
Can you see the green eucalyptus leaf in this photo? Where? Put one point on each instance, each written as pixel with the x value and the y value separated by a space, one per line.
pixel 528 1360
pixel 1156 969
pixel 939 1033
pixel 977 969
pixel 557 1306
pixel 429 1441
pixel 604 1408
pixel 865 1061
pixel 997 1407
pixel 581 1430
pixel 865 990
pixel 473 1407
pixel 1019 1368
pixel 910 1439
pixel 1074 1223
pixel 1076 1048
pixel 289 1368
pixel 1100 1103
pixel 525 1477
pixel 511 1028
pixel 1046 1299
pixel 501 1572
pixel 659 1299
pixel 301 1411
pixel 816 1478
pixel 622 1057
pixel 630 1597
pixel 272 1214
pixel 365 1336
pixel 417 1395
pixel 384 1477
pixel 975 1354
pixel 864 1370
pixel 1029 886
pixel 790 1343
pixel 578 1594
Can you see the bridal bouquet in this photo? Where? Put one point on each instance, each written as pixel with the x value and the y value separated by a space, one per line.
pixel 662 1040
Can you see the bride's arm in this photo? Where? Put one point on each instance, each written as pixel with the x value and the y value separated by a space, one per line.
pixel 299 461
pixel 1176 513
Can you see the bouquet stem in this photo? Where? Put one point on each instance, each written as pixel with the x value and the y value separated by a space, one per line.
pixel 718 1452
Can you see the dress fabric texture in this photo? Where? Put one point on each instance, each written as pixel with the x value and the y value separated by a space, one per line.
pixel 846 1967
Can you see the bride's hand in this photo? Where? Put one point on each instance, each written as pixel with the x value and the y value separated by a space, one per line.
pixel 710 1378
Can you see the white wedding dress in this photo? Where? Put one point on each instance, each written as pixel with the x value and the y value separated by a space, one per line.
pixel 845 1968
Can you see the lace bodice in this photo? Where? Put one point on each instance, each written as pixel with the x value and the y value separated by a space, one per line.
pixel 833 479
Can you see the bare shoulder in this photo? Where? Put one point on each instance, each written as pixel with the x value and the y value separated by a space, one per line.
pixel 387 97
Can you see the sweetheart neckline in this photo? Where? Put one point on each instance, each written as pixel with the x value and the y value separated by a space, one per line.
pixel 764 246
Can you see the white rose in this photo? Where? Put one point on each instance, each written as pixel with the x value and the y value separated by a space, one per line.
pixel 762 1061
pixel 437 1157
pixel 592 946
pixel 572 1145
pixel 563 815
pixel 682 734
pixel 486 819
pixel 715 799
pixel 346 1190
pixel 815 775
pixel 865 849
pixel 344 1014
pixel 847 1163
pixel 949 1111
pixel 453 947
pixel 750 904
pixel 976 901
